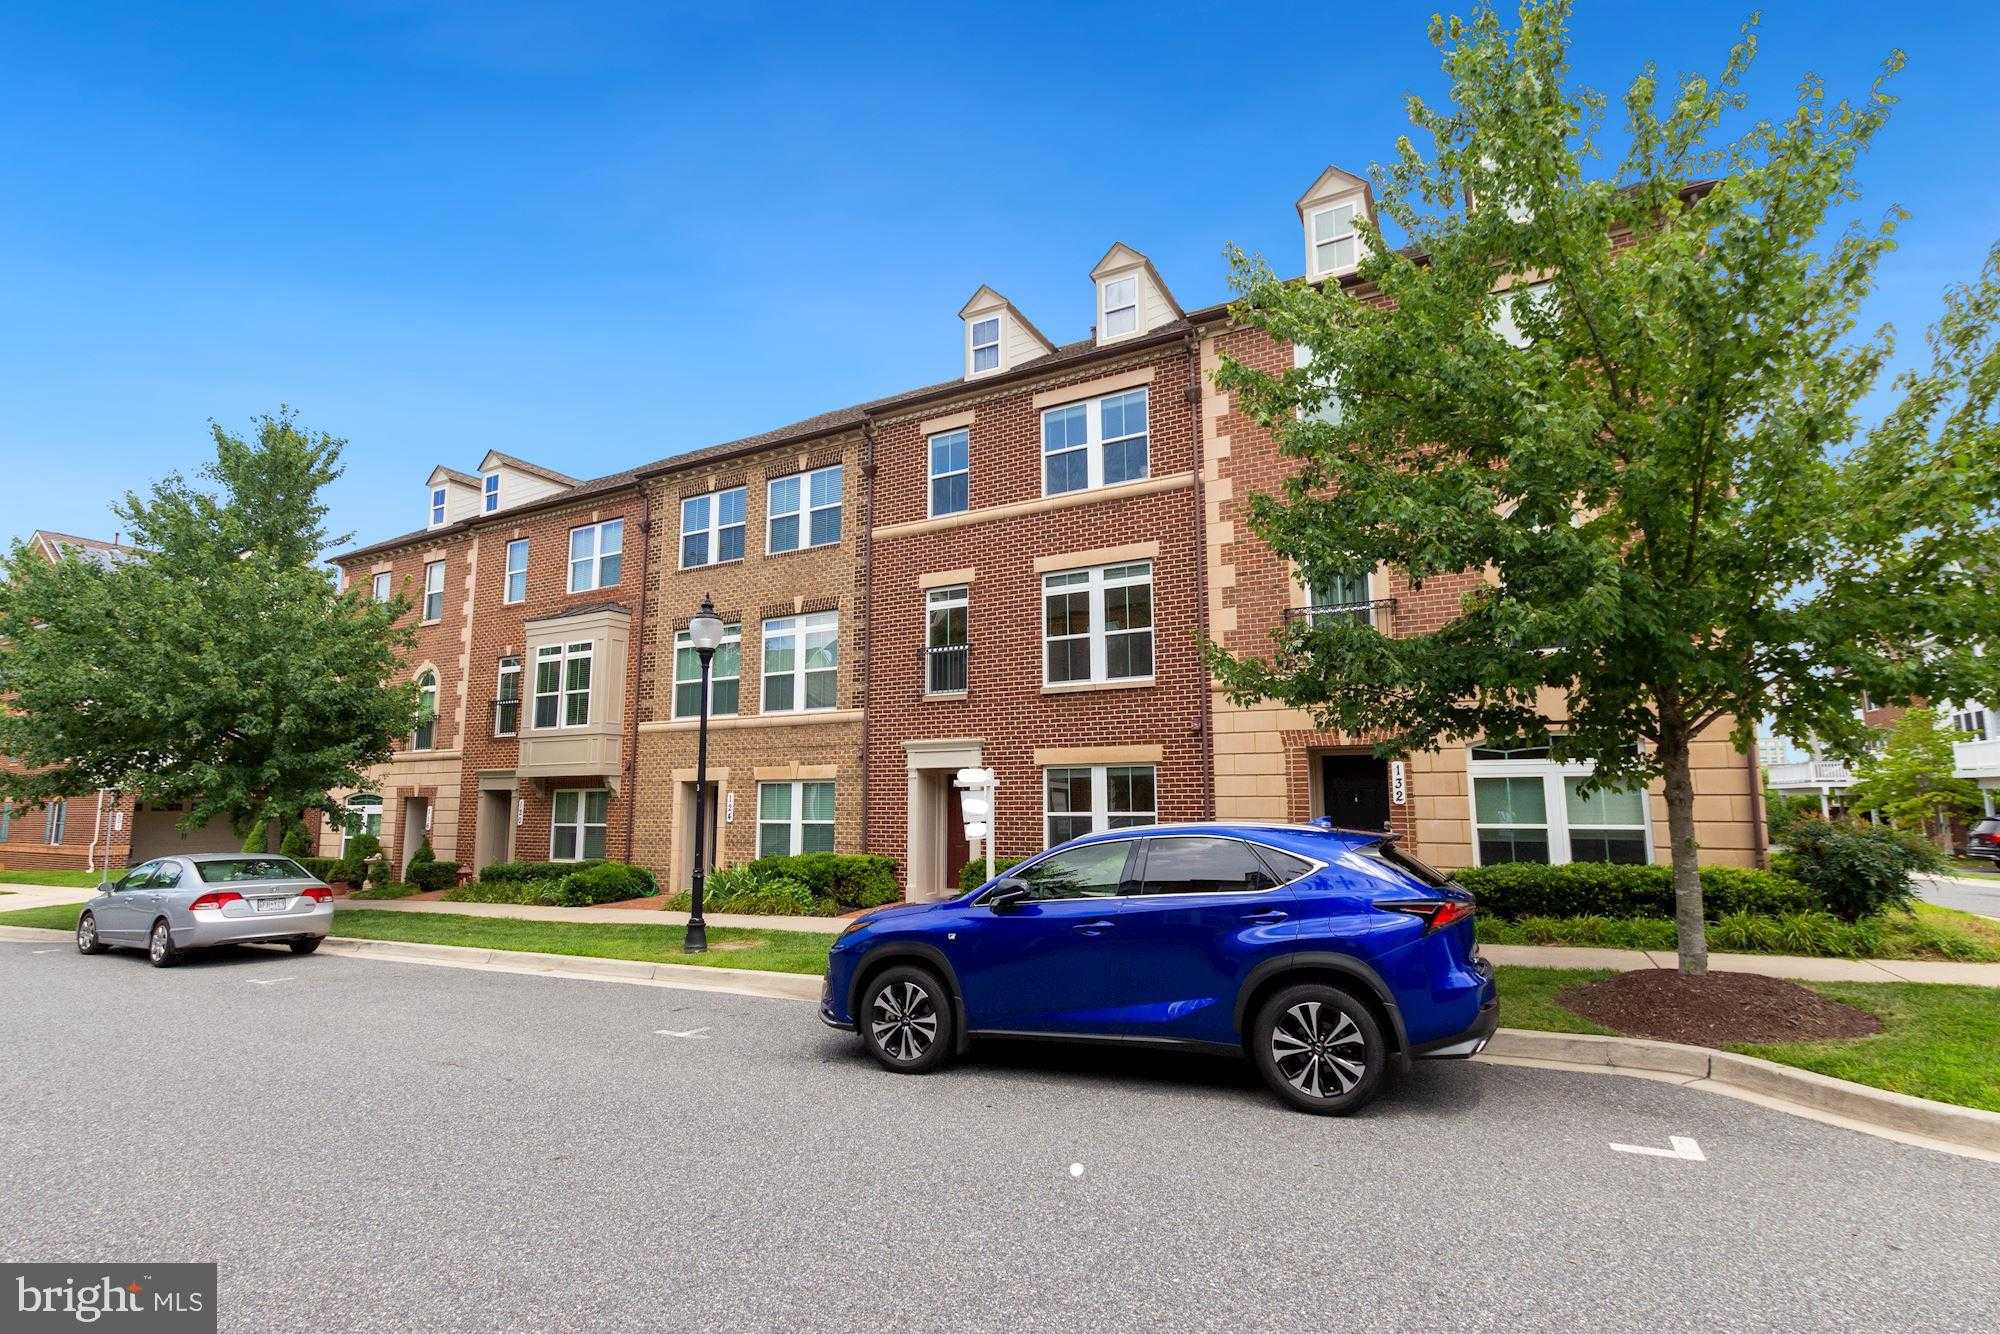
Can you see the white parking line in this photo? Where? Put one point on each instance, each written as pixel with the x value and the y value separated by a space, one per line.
pixel 45 951
pixel 697 1033
pixel 268 981
pixel 1683 1147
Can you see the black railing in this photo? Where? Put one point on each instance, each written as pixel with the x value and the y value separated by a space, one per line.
pixel 1376 613
pixel 500 718
pixel 946 668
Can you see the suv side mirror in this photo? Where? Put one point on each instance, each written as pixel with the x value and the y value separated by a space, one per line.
pixel 1006 893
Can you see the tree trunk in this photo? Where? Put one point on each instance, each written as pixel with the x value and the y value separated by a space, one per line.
pixel 1691 928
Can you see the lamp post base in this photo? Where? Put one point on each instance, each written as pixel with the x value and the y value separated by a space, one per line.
pixel 696 941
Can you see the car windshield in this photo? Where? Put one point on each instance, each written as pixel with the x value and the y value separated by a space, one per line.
pixel 231 870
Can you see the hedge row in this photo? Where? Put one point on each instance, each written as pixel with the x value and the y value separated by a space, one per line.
pixel 557 884
pixel 973 874
pixel 846 880
pixel 1597 889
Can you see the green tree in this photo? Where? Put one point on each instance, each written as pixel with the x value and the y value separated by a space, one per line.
pixel 220 667
pixel 1662 471
pixel 1911 779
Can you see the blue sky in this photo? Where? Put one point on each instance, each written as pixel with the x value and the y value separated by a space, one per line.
pixel 593 235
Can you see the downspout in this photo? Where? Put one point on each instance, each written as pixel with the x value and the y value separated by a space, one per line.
pixel 1205 720
pixel 96 832
pixel 630 765
pixel 867 606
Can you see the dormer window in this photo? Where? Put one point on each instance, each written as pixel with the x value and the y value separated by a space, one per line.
pixel 986 345
pixel 437 506
pixel 490 486
pixel 1334 241
pixel 1121 306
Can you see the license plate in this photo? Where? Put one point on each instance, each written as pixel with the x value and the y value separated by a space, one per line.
pixel 269 905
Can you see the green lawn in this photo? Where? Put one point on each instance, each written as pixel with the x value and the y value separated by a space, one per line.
pixel 60 879
pixel 1936 1041
pixel 1976 870
pixel 61 917
pixel 1929 932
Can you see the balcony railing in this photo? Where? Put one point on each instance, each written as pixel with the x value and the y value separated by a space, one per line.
pixel 1976 759
pixel 1810 773
pixel 1375 613
pixel 946 668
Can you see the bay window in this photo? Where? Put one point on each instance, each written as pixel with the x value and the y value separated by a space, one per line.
pixel 562 685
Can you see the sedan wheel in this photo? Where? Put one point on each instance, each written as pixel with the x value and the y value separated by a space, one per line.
pixel 160 946
pixel 1319 1049
pixel 86 935
pixel 906 1020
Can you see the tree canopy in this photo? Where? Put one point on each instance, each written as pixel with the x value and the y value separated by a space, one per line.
pixel 219 666
pixel 1911 779
pixel 1631 400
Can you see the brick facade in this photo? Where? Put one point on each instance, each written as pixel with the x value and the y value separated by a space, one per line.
pixel 999 549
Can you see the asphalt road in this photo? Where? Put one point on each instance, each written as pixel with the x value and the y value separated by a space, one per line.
pixel 1966 895
pixel 364 1145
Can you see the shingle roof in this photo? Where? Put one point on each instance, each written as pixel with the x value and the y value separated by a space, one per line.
pixel 56 545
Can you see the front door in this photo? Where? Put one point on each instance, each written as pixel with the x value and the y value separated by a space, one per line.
pixel 1049 964
pixel 1354 790
pixel 957 852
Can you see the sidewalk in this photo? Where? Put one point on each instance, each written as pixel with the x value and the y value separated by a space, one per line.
pixel 1531 956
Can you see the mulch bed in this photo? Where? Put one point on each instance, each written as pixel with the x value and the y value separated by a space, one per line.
pixel 1715 1009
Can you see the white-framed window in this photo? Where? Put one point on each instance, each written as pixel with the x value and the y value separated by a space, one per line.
pixel 1526 808
pixel 1091 798
pixel 596 555
pixel 1097 442
pixel 1121 305
pixel 801 662
pixel 1342 595
pixel 57 822
pixel 507 697
pixel 379 587
pixel 433 591
pixel 947 647
pixel 793 818
pixel 361 814
pixel 577 821
pixel 951 472
pixel 804 510
pixel 725 674
pixel 437 506
pixel 1506 318
pixel 515 587
pixel 1330 409
pixel 489 491
pixel 1335 243
pixel 985 338
pixel 1097 624
pixel 425 737
pixel 1971 720
pixel 562 685
pixel 713 526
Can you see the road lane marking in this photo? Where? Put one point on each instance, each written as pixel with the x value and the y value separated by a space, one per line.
pixel 45 951
pixel 1683 1148
pixel 698 1033
pixel 268 981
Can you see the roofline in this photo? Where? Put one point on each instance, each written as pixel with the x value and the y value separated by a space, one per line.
pixel 467 525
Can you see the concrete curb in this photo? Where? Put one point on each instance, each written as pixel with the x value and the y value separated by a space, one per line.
pixel 1898 1115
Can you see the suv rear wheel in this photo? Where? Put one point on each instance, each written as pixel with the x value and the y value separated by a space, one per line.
pixel 1319 1048
pixel 906 1020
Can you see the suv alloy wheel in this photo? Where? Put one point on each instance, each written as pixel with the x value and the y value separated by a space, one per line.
pixel 1319 1049
pixel 906 1020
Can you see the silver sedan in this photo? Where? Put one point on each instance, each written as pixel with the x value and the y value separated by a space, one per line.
pixel 177 904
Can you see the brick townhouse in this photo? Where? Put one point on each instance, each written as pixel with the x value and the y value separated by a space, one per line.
pixel 523 598
pixel 1011 568
pixel 770 528
pixel 1459 806
pixel 1034 583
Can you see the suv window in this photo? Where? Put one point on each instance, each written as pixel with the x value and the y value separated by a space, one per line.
pixel 1197 865
pixel 1094 871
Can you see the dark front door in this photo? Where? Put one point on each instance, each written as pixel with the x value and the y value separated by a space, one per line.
pixel 957 852
pixel 1355 789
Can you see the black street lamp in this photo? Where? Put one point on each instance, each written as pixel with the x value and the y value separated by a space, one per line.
pixel 705 634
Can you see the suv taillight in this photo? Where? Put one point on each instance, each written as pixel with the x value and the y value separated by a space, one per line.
pixel 215 898
pixel 318 893
pixel 1437 913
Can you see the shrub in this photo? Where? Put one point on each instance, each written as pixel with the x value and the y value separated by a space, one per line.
pixel 1519 890
pixel 743 889
pixel 352 869
pixel 298 841
pixel 378 872
pixel 605 882
pixel 555 884
pixel 1783 810
pixel 973 874
pixel 324 868
pixel 847 880
pixel 1856 870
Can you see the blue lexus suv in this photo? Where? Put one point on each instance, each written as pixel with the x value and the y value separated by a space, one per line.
pixel 1326 955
